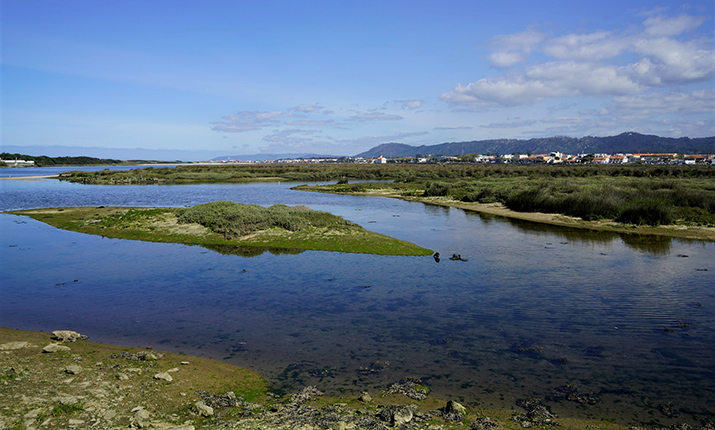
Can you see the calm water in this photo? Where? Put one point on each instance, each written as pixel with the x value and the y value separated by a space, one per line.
pixel 629 320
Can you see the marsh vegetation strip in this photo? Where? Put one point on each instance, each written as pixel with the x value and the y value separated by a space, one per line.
pixel 629 195
pixel 228 223
pixel 621 204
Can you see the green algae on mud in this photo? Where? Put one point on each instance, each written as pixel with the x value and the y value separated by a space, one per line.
pixel 297 228
pixel 110 386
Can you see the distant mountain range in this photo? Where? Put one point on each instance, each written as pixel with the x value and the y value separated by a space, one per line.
pixel 623 143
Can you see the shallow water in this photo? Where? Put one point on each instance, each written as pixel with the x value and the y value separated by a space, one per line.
pixel 631 320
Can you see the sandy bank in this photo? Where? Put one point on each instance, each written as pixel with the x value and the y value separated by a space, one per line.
pixel 498 209
pixel 31 178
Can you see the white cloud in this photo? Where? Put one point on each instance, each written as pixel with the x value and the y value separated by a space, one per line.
pixel 288 138
pixel 313 123
pixel 556 79
pixel 510 124
pixel 597 64
pixel 307 108
pixel 515 48
pixel 564 120
pixel 370 141
pixel 661 26
pixel 462 127
pixel 670 62
pixel 588 47
pixel 374 116
pixel 248 121
pixel 701 101
pixel 410 104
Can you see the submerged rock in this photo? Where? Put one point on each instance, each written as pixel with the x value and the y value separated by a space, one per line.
pixel 536 414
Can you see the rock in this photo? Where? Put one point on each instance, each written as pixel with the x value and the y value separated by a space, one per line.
pixel 55 347
pixel 11 346
pixel 140 417
pixel 402 416
pixel 410 387
pixel 32 414
pixel 203 410
pixel 185 363
pixel 485 423
pixel 73 369
pixel 365 397
pixel 139 356
pixel 163 376
pixel 184 427
pixel 227 400
pixel 395 415
pixel 452 411
pixel 68 336
pixel 122 376
pixel 75 423
pixel 536 414
pixel 109 414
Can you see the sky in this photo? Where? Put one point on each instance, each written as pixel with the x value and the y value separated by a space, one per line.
pixel 193 80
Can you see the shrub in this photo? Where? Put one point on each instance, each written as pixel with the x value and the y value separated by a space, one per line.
pixel 234 219
pixel 647 212
pixel 434 189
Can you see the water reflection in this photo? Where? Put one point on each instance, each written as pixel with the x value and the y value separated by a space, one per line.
pixel 534 308
pixel 251 251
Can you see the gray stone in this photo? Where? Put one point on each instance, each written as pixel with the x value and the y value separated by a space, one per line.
pixel 402 416
pixel 10 346
pixel 32 414
pixel 67 336
pixel 140 417
pixel 365 397
pixel 55 347
pixel 202 409
pixel 73 369
pixel 163 376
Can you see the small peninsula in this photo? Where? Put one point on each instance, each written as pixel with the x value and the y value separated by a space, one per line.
pixel 228 224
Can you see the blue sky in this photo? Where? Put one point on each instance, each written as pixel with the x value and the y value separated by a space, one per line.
pixel 192 80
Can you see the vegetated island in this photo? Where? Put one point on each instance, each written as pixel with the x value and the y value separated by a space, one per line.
pixel 228 227
pixel 62 380
pixel 667 200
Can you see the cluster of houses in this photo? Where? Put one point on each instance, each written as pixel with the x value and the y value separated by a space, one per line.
pixel 550 158
pixel 18 163
pixel 557 157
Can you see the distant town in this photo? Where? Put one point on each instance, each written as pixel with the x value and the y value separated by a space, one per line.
pixel 550 158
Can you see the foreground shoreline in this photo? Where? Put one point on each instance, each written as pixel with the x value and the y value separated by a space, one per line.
pixel 62 380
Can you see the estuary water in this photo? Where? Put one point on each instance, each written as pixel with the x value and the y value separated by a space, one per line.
pixel 627 322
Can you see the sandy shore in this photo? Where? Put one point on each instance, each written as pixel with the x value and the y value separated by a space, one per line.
pixel 31 178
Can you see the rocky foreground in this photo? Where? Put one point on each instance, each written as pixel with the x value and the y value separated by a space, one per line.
pixel 63 381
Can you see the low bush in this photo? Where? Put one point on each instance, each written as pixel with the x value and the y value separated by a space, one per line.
pixel 234 219
pixel 647 212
